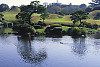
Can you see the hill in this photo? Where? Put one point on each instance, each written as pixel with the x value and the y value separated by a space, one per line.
pixel 53 18
pixel 95 14
pixel 10 14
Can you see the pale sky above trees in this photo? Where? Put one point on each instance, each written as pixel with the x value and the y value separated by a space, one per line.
pixel 21 2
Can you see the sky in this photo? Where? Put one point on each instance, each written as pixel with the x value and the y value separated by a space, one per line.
pixel 26 2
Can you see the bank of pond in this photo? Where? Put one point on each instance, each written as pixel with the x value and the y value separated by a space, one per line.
pixel 31 30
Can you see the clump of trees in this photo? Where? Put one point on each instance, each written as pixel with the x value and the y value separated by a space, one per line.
pixel 65 9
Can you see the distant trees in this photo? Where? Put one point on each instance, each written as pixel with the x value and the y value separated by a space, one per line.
pixel 3 7
pixel 65 9
pixel 78 16
pixel 88 9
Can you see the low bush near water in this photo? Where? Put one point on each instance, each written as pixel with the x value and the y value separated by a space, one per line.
pixel 76 31
pixel 24 28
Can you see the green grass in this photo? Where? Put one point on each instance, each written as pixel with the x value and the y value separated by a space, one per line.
pixel 40 30
pixel 8 30
pixel 93 13
pixel 89 30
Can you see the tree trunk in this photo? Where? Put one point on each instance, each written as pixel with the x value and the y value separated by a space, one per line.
pixel 80 23
pixel 29 18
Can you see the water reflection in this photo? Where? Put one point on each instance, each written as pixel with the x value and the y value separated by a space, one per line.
pixel 97 36
pixel 79 47
pixel 42 39
pixel 29 53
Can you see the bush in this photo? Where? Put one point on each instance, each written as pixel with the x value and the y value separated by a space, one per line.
pixel 88 25
pixel 60 13
pixel 76 31
pixel 54 29
pixel 24 28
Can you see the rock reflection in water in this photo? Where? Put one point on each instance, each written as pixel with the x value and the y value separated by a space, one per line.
pixel 28 53
pixel 79 47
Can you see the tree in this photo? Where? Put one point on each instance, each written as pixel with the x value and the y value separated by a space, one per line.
pixel 78 16
pixel 34 7
pixel 3 7
pixel 44 15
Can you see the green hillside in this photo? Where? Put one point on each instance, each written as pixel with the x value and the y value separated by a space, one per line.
pixel 53 18
pixel 10 14
pixel 93 14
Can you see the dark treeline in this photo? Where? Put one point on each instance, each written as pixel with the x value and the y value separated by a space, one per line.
pixel 55 8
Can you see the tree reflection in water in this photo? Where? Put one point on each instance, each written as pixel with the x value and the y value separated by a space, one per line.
pixel 28 53
pixel 79 47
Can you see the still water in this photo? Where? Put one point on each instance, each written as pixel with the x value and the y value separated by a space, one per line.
pixel 16 51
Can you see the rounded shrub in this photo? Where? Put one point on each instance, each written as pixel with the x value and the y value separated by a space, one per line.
pixel 54 29
pixel 24 28
pixel 76 31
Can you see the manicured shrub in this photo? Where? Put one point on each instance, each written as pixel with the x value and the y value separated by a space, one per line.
pixel 54 29
pixel 76 31
pixel 24 28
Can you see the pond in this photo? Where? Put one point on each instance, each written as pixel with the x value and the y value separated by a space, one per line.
pixel 17 51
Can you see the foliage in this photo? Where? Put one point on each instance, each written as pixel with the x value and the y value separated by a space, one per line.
pixel 60 13
pixel 24 28
pixel 78 16
pixel 76 31
pixel 89 25
pixel 23 17
pixel 54 29
pixel 41 23
pixel 1 15
pixel 28 10
pixel 44 15
pixel 65 9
